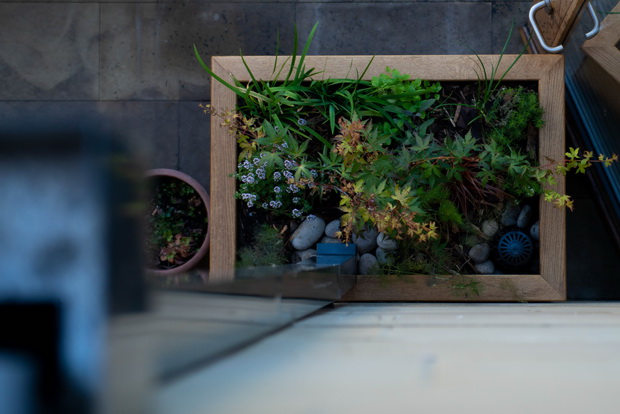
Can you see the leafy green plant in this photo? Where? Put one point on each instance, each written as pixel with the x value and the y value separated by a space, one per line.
pixel 378 146
pixel 176 222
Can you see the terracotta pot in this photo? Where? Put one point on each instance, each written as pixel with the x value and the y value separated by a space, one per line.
pixel 204 248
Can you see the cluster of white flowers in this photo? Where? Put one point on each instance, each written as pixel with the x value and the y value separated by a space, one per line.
pixel 249 198
pixel 267 190
pixel 248 178
pixel 260 172
pixel 275 204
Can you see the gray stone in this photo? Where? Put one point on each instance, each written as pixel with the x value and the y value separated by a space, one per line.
pixel 490 227
pixel 510 215
pixel 301 255
pixel 367 264
pixel 524 216
pixel 366 242
pixel 382 255
pixel 308 233
pixel 53 53
pixel 535 231
pixel 194 154
pixel 441 27
pixel 146 54
pixel 332 228
pixel 480 252
pixel 485 268
pixel 326 239
pixel 385 242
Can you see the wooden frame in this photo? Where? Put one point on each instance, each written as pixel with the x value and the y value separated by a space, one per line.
pixel 547 70
pixel 604 47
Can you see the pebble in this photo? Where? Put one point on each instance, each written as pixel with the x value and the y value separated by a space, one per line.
pixel 332 228
pixel 485 268
pixel 524 217
pixel 329 240
pixel 480 252
pixel 366 242
pixel 385 242
pixel 510 215
pixel 308 233
pixel 301 255
pixel 382 255
pixel 490 228
pixel 535 231
pixel 367 263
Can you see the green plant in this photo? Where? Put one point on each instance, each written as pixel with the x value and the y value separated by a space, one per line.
pixel 267 249
pixel 176 222
pixel 381 147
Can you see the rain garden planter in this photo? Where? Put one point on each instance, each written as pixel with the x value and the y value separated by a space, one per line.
pixel 544 71
pixel 177 238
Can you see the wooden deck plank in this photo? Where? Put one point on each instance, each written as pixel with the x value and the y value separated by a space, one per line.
pixel 420 358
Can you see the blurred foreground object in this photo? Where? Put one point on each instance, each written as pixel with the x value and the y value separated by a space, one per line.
pixel 69 261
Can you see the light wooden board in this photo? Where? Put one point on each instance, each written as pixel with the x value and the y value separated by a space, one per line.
pixel 603 47
pixel 426 358
pixel 556 26
pixel 547 70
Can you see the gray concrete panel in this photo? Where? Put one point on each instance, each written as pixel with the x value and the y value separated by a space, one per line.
pixel 49 51
pixel 147 49
pixel 150 128
pixel 397 28
pixel 504 14
pixel 194 142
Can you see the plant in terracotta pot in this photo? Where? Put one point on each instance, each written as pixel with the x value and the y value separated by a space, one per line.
pixel 428 163
pixel 177 221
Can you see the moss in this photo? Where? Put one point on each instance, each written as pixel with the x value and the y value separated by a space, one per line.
pixel 448 213
pixel 511 113
pixel 266 250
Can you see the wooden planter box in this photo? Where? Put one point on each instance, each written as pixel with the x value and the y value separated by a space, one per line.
pixel 547 70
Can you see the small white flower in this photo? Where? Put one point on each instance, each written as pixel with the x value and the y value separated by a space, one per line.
pixel 288 174
pixel 265 206
pixel 289 165
pixel 277 176
pixel 293 188
pixel 247 164
pixel 296 213
pixel 277 189
pixel 275 204
pixel 311 217
pixel 301 122
pixel 314 173
pixel 250 204
pixel 256 161
pixel 260 172
pixel 296 200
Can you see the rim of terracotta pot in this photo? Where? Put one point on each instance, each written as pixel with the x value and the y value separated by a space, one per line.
pixel 204 248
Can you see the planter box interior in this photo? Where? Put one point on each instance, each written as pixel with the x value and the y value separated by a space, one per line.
pixel 546 70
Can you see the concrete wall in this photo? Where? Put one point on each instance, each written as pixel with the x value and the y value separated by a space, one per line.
pixel 132 62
